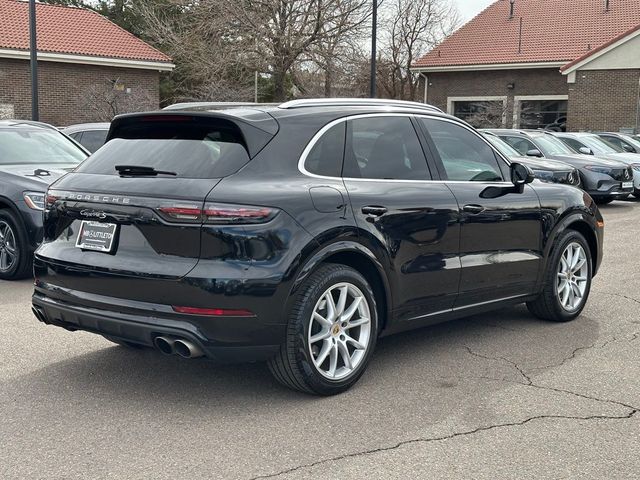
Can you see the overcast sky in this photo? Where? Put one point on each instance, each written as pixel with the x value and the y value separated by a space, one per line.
pixel 470 8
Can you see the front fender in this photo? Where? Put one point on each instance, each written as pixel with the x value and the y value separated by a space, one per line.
pixel 582 220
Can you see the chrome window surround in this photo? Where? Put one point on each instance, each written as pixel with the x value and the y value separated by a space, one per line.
pixel 323 130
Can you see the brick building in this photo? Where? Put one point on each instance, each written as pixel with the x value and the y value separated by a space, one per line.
pixel 88 67
pixel 541 63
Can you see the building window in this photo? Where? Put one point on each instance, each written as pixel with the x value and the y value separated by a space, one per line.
pixel 541 113
pixel 481 112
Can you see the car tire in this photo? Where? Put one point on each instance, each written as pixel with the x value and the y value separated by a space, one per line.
pixel 326 351
pixel 16 259
pixel 564 279
pixel 604 201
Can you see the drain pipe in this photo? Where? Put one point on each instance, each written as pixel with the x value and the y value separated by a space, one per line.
pixel 426 86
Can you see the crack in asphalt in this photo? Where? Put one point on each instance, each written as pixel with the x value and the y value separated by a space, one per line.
pixel 527 382
pixel 403 443
pixel 620 296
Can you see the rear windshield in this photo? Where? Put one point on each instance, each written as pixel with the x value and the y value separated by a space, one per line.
pixel 190 153
pixel 37 146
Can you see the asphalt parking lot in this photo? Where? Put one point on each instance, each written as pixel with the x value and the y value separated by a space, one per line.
pixel 501 395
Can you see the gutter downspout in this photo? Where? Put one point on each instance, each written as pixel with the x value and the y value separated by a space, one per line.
pixel 426 86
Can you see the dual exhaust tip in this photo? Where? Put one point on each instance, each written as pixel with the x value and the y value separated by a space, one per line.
pixel 178 346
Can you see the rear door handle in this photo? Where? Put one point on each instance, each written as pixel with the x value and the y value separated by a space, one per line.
pixel 374 210
pixel 473 209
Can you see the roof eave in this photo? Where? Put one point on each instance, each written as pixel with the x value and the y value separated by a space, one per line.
pixel 599 51
pixel 487 66
pixel 90 60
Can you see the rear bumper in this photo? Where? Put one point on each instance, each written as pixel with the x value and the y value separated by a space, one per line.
pixel 223 339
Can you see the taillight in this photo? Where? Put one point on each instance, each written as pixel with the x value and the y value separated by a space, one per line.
pixel 221 213
pixel 183 212
pixel 217 213
pixel 214 312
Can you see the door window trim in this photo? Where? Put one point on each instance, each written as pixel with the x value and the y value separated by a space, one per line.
pixel 502 162
pixel 328 126
pixel 423 141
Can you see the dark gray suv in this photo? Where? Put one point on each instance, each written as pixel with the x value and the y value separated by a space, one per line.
pixel 604 179
pixel 32 156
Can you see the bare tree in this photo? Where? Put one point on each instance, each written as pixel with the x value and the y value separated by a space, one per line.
pixel 487 115
pixel 105 100
pixel 410 29
pixel 285 32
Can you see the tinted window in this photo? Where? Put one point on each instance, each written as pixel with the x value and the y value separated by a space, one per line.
pixel 92 140
pixel 575 144
pixel 550 145
pixel 37 146
pixel 598 145
pixel 187 158
pixel 384 148
pixel 190 150
pixel 325 158
pixel 522 145
pixel 502 146
pixel 615 141
pixel 464 155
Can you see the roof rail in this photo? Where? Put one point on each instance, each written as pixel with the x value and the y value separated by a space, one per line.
pixel 357 102
pixel 32 123
pixel 215 105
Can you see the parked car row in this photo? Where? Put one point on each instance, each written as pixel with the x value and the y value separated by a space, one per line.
pixel 605 173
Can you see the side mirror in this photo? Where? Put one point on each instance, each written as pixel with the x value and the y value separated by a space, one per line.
pixel 628 148
pixel 585 151
pixel 534 152
pixel 521 174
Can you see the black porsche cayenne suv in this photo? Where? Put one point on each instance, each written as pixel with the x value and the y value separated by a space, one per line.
pixel 299 234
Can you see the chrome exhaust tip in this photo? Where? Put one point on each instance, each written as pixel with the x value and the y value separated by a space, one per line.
pixel 186 349
pixel 165 345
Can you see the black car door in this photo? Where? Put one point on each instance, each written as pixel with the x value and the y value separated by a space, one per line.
pixel 500 238
pixel 410 222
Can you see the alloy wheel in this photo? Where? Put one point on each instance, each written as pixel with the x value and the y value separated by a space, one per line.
pixel 573 277
pixel 8 247
pixel 339 331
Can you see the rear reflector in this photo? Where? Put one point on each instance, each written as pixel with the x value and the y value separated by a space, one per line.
pixel 213 312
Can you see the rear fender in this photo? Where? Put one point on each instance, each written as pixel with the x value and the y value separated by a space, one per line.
pixel 337 249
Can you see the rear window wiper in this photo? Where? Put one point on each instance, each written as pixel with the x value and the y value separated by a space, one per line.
pixel 125 170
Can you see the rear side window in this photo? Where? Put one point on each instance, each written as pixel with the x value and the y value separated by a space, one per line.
pixel 92 140
pixel 325 158
pixel 384 148
pixel 211 150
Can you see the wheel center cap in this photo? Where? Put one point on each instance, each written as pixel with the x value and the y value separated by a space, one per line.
pixel 335 330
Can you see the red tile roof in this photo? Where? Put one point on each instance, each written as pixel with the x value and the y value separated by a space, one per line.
pixel 552 31
pixel 71 30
